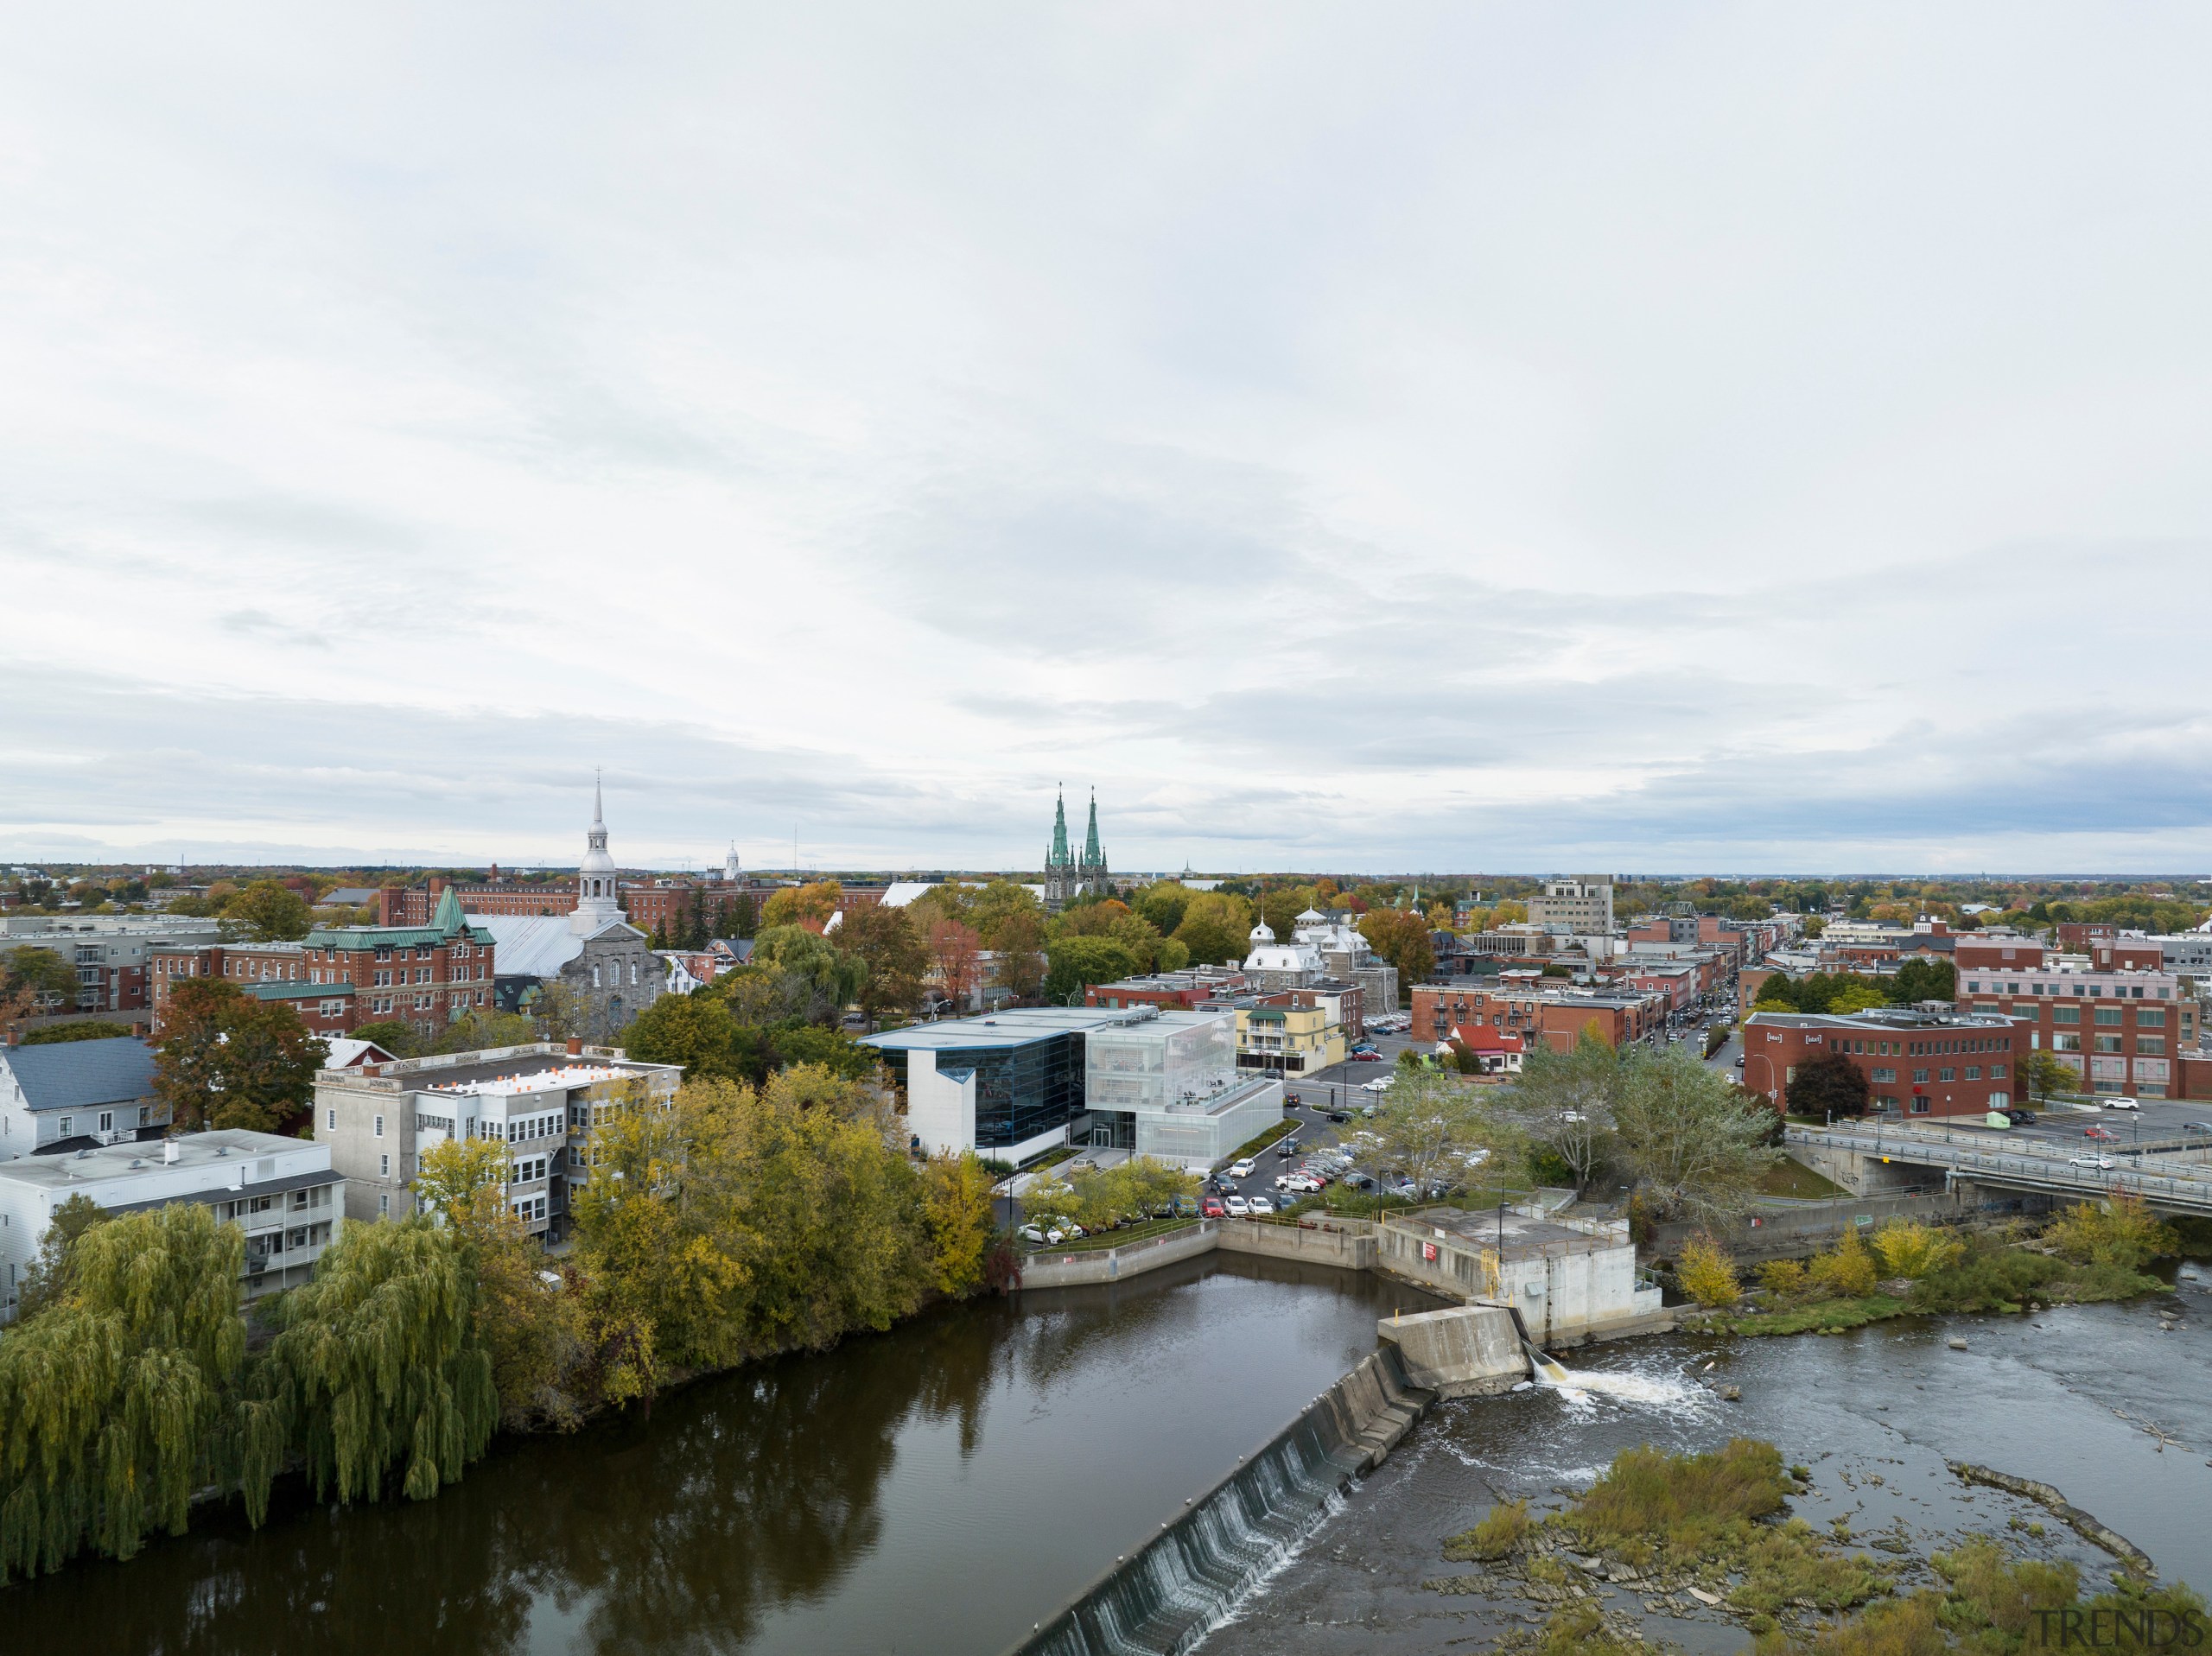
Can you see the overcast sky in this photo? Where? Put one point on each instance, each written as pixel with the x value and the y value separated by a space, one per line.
pixel 1680 437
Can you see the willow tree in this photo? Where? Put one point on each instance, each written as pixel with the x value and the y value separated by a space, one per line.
pixel 379 1368
pixel 115 1401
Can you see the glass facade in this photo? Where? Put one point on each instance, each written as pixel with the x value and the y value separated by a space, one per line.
pixel 1022 1091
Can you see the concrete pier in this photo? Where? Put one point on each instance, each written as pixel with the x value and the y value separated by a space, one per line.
pixel 1468 1351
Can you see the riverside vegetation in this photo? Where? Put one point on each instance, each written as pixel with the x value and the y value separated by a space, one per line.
pixel 2093 1251
pixel 730 1224
pixel 1708 1536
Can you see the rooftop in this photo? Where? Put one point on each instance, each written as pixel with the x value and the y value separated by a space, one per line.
pixel 533 1081
pixel 76 1075
pixel 1921 1017
pixel 227 1146
pixel 459 1071
pixel 1018 1026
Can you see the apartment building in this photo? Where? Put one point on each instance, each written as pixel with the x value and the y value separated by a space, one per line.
pixel 1582 907
pixel 2120 1030
pixel 1916 1060
pixel 283 1192
pixel 110 952
pixel 544 1101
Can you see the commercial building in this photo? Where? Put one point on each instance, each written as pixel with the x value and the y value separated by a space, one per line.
pixel 1581 907
pixel 1518 1003
pixel 1019 1083
pixel 1916 1060
pixel 1179 991
pixel 543 1100
pixel 283 1192
pixel 2119 1030
pixel 68 1095
pixel 1292 1035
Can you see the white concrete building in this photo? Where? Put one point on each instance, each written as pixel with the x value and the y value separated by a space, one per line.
pixel 283 1192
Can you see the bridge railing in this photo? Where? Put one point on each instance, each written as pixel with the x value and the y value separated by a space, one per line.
pixel 2184 1185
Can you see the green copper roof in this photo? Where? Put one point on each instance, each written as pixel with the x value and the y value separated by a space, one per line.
pixel 1091 855
pixel 448 925
pixel 1058 857
pixel 298 990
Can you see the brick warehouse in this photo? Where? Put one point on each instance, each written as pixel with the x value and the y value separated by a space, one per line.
pixel 1916 1062
pixel 1554 1016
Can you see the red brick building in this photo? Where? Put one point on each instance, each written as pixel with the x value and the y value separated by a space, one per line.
pixel 2121 1031
pixel 344 976
pixel 413 905
pixel 1515 1004
pixel 1915 1062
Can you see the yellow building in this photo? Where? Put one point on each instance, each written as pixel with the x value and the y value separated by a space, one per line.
pixel 1291 1041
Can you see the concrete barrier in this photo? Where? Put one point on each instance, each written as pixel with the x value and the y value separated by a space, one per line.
pixel 1079 1267
pixel 1468 1351
pixel 1347 1243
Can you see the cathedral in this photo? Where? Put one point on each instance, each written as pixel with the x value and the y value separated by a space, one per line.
pixel 1066 875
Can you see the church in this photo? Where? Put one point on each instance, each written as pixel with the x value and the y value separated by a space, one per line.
pixel 1066 876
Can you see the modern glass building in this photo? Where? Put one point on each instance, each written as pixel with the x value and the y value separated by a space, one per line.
pixel 1020 1083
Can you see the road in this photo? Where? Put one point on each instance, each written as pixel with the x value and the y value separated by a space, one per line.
pixel 2007 1157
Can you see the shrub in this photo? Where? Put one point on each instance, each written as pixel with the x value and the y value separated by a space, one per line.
pixel 1685 1504
pixel 1848 1272
pixel 2122 1232
pixel 1503 1527
pixel 1706 1274
pixel 1909 1248
pixel 1784 1278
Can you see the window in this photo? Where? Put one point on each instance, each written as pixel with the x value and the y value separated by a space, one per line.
pixel 384 1165
pixel 2109 1014
pixel 1885 1077
pixel 2151 1018
pixel 2108 1043
pixel 2150 1046
pixel 2065 1043
pixel 383 1206
pixel 380 1126
pixel 67 1125
pixel 1973 1072
pixel 2066 1014
pixel 107 1121
pixel 1947 1074
pixel 1997 1072
pixel 1920 1106
pixel 1920 1077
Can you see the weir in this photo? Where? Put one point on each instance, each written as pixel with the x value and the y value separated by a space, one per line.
pixel 1166 1597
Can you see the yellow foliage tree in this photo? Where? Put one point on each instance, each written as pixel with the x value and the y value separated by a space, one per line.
pixel 810 905
pixel 1909 1248
pixel 1706 1274
pixel 1848 1270
pixel 957 1196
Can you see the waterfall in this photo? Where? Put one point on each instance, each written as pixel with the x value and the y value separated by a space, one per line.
pixel 1168 1597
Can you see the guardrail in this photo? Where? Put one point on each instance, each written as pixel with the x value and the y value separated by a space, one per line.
pixel 2184 1186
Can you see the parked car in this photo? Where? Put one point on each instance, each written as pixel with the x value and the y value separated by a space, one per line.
pixel 1032 1233
pixel 1213 1210
pixel 1739 1063
pixel 2019 1118
pixel 1238 1208
pixel 1338 1116
pixel 2121 1104
pixel 1241 1169
pixel 2092 1161
pixel 1260 1205
pixel 1287 1148
pixel 2099 1133
pixel 2196 1126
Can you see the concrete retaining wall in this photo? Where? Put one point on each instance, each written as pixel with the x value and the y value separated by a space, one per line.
pixel 1080 1267
pixel 1347 1243
pixel 1780 1231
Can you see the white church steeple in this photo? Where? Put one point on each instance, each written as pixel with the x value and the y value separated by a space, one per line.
pixel 599 896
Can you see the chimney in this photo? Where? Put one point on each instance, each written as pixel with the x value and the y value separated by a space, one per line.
pixel 575 1046
pixel 170 1150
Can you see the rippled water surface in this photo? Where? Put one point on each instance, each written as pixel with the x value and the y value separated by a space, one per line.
pixel 934 1489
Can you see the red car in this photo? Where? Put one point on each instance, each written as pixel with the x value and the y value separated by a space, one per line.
pixel 2098 1133
pixel 1213 1210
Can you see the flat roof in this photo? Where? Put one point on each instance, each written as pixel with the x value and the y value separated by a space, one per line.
pixel 1018 1025
pixel 529 1080
pixel 229 1145
pixel 464 1070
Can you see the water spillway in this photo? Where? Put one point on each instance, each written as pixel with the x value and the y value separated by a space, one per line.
pixel 1164 1599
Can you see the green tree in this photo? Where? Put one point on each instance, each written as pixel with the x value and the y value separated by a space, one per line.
pixel 231 1059
pixel 992 907
pixel 59 1034
pixel 2040 1074
pixel 1216 927
pixel 1163 903
pixel 1925 980
pixel 380 1366
pixel 114 1398
pixel 1435 1130
pixel 956 1199
pixel 1693 1142
pixel 809 906
pixel 51 980
pixel 1829 1084
pixel 1020 946
pixel 397 1038
pixel 892 958
pixel 1564 1101
pixel 1078 962
pixel 796 1045
pixel 270 910
pixel 49 1277
pixel 481 1031
pixel 697 1030
pixel 813 978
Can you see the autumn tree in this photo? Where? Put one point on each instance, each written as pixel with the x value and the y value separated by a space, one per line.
pixel 813 979
pixel 891 955
pixel 50 1275
pixel 232 1060
pixel 1400 937
pixel 957 1200
pixel 1434 1131
pixel 1696 1144
pixel 1163 903
pixel 43 975
pixel 810 905
pixel 1216 927
pixel 954 947
pixel 1020 946
pixel 1078 962
pixel 696 1031
pixel 1564 1101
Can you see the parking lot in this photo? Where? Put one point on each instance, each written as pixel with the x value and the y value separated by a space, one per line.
pixel 2162 1122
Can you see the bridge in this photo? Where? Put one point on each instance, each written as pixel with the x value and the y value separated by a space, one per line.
pixel 2165 1182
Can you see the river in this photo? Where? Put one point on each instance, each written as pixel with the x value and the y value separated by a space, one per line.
pixel 941 1487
